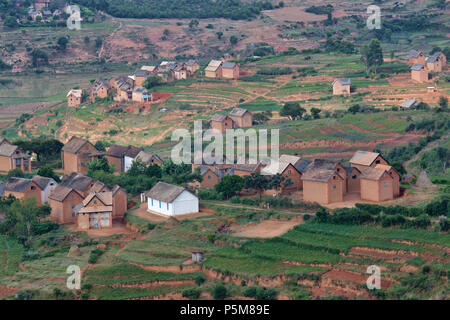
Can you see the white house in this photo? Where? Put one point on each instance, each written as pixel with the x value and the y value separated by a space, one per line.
pixel 47 185
pixel 171 200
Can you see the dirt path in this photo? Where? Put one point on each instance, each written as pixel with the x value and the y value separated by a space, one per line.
pixel 102 50
pixel 267 228
pixel 241 206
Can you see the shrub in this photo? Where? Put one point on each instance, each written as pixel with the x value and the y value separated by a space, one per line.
pixel 199 280
pixel 95 254
pixel 191 293
pixel 219 292
pixel 260 293
pixel 235 199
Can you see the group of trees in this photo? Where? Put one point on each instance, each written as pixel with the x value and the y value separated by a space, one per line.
pixel 372 56
pixel 141 177
pixel 155 9
pixel 46 149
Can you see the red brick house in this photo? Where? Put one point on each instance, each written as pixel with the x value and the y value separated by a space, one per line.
pixel 76 154
pixel 23 189
pixel 241 117
pixel 221 122
pixel 12 157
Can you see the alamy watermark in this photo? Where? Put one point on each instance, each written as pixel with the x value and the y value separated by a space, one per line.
pixel 374 20
pixel 74 20
pixel 235 140
pixel 74 278
pixel 374 280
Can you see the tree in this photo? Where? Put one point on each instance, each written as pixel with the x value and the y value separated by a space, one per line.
pixel 219 35
pixel 233 40
pixel 62 43
pixel 398 166
pixel 257 182
pixel 38 58
pixel 101 165
pixel 443 102
pixel 219 292
pixel 315 112
pixel 193 24
pixel 152 81
pixel 10 22
pixel 47 171
pixel 293 110
pixel 49 149
pixel 100 146
pixel 229 185
pixel 15 173
pixel 372 56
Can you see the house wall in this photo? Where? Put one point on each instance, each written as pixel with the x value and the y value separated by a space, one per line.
pixel 419 60
pixel 314 191
pixel 222 126
pixel 230 73
pixel 119 204
pixel 128 161
pixel 339 88
pixel 244 121
pixel 62 212
pixel 185 203
pixel 386 188
pixel 434 66
pixel 419 75
pixel 341 171
pixel 295 176
pixel 214 74
pixel 33 191
pixel 160 206
pixel 395 182
pixel 139 81
pixel 102 92
pixel 5 164
pixel 210 179
pixel 73 101
pixel 370 190
pixel 335 190
pixel 116 161
pixel 83 221
pixel 353 182
pixel 47 191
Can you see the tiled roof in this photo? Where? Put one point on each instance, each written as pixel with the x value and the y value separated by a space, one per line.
pixel 74 145
pixel 42 182
pixel 76 93
pixel 77 181
pixel 365 158
pixel 238 112
pixel 417 67
pixel 104 197
pixel 323 164
pixel 146 157
pixel 408 103
pixel 434 57
pixel 165 192
pixel 228 65
pixel 370 173
pixel 283 162
pixel 413 54
pixel 319 175
pixel 213 65
pixel 343 81
pixel 18 184
pixel 99 187
pixel 7 150
pixel 219 117
pixel 61 192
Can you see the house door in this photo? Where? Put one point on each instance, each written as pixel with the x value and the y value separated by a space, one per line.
pixel 104 219
pixel 93 221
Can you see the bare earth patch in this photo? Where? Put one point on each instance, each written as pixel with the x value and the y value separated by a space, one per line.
pixel 267 228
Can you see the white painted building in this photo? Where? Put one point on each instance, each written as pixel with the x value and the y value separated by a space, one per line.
pixel 47 185
pixel 171 200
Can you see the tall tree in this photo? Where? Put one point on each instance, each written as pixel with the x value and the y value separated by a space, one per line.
pixel 293 110
pixel 372 56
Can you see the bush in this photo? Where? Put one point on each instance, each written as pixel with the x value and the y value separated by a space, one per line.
pixel 95 255
pixel 235 199
pixel 260 293
pixel 219 292
pixel 199 280
pixel 191 293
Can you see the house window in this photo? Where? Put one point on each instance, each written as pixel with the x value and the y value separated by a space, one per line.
pixel 152 202
pixel 160 203
pixel 95 201
pixel 334 177
pixel 86 147
pixel 167 206
pixel 377 162
pixel 209 177
pixel 338 169
pixel 334 186
pixel 33 188
pixel 72 196
pixel 354 176
pixel 289 171
pixel 73 206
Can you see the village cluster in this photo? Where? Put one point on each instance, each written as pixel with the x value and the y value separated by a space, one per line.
pixel 41 11
pixel 131 88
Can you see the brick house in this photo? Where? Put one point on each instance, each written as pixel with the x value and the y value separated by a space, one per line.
pixel 140 76
pixel 100 89
pixel 324 164
pixel 419 73
pixel 210 177
pixel 241 117
pixel 288 168
pixel 122 156
pixel 192 66
pixel 23 189
pixel 63 201
pixel 12 157
pixel 120 202
pixel 180 72
pixel 221 122
pixel 214 69
pixel 322 186
pixel 230 70
pixel 74 98
pixel 365 159
pixel 76 154
pixel 395 178
pixel 376 185
pixel 415 57
pixel 436 62
pixel 141 94
pixel 149 158
pixel 95 212
pixel 47 186
pixel 246 169
pixel 341 86
pixel 81 183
